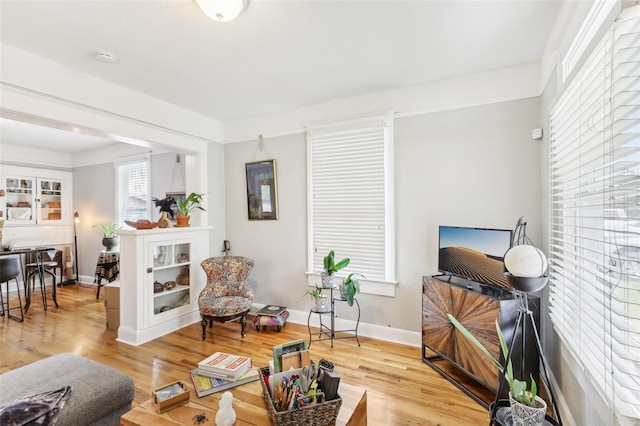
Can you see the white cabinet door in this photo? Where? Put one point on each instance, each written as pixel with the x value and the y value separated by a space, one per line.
pixel 50 200
pixel 35 200
pixel 169 285
pixel 20 200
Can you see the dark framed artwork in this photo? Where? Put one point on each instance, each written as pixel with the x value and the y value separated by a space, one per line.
pixel 262 190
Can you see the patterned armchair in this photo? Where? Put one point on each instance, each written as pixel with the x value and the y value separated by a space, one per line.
pixel 227 295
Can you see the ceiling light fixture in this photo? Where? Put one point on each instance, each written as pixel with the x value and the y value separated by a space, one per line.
pixel 222 10
pixel 105 57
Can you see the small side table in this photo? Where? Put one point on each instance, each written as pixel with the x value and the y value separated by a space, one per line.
pixel 107 267
pixel 329 332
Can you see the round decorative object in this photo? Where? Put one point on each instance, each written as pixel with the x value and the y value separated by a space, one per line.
pixel 110 243
pixel 525 261
pixel 169 285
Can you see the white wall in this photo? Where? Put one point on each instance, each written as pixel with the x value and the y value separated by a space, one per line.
pixel 278 247
pixel 93 199
pixel 215 198
pixel 470 167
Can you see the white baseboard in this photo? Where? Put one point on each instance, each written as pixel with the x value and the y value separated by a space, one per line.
pixel 394 335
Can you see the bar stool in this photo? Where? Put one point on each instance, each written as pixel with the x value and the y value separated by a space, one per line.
pixel 10 270
pixel 38 269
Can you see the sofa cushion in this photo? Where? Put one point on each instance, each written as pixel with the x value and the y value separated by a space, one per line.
pixel 98 391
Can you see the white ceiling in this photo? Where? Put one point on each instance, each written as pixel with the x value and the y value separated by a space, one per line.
pixel 279 55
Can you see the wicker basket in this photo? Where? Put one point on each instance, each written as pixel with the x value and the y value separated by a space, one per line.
pixel 322 414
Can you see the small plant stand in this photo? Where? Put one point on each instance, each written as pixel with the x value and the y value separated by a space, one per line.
pixel 329 332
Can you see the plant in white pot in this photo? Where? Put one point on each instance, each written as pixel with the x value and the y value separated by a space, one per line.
pixel 109 235
pixel 186 206
pixel 323 304
pixel 349 287
pixel 527 408
pixel 330 268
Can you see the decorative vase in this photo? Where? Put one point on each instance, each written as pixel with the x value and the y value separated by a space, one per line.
pixel 523 415
pixel 327 280
pixel 164 221
pixel 323 304
pixel 110 243
pixel 183 277
pixel 182 221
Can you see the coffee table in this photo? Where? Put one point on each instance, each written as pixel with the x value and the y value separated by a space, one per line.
pixel 249 404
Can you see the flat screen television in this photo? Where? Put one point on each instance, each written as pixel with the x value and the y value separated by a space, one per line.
pixel 476 254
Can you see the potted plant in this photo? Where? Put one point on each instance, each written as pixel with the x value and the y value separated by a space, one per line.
pixel 330 268
pixel 323 304
pixel 109 235
pixel 527 407
pixel 349 287
pixel 186 206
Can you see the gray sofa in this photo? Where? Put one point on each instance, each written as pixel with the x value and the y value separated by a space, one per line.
pixel 100 394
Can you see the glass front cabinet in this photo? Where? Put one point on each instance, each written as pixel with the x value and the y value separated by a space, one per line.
pixel 171 276
pixel 34 200
pixel 160 281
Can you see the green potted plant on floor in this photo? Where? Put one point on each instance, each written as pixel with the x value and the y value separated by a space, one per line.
pixel 109 235
pixel 186 206
pixel 527 407
pixel 330 268
pixel 349 287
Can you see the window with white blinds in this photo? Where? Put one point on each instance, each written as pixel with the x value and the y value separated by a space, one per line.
pixel 350 207
pixel 594 235
pixel 132 191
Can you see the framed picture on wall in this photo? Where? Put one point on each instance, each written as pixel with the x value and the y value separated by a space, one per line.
pixel 262 190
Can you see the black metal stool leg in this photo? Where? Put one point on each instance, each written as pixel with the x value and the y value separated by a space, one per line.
pixel 21 318
pixel 2 300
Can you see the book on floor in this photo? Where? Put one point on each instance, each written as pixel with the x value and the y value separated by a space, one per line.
pixel 225 366
pixel 205 385
pixel 271 310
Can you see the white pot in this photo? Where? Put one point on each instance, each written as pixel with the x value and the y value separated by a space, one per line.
pixel 323 304
pixel 327 280
pixel 523 415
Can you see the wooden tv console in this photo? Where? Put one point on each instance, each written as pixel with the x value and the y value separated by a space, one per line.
pixel 477 307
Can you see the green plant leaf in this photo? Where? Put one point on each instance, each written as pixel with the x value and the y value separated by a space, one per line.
pixel 342 264
pixel 505 352
pixel 475 341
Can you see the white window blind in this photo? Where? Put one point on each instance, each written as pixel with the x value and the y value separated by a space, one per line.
pixel 594 236
pixel 132 191
pixel 349 203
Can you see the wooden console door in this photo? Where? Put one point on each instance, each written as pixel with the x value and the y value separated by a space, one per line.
pixel 477 312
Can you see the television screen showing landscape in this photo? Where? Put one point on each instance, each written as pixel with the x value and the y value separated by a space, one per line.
pixel 474 253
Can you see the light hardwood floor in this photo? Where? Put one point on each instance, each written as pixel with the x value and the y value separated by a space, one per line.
pixel 402 390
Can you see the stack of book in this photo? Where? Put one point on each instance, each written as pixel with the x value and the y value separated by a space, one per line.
pixel 222 371
pixel 224 366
